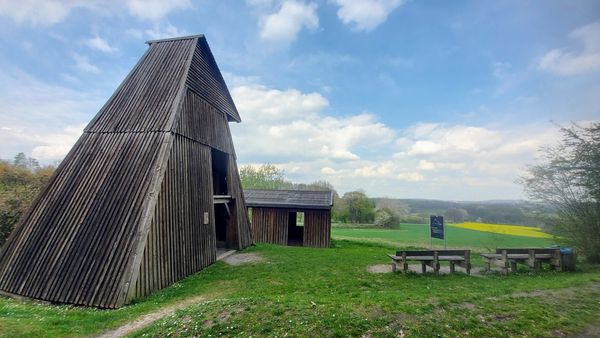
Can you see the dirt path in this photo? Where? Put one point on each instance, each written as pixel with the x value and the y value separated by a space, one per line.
pixel 149 318
pixel 387 268
pixel 230 258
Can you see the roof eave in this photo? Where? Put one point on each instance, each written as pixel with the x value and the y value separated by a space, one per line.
pixel 188 37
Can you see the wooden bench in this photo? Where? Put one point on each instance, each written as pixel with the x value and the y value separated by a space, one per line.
pixel 508 258
pixel 432 258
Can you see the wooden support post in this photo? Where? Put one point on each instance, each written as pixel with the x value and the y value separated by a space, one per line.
pixel 534 263
pixel 468 261
pixel 436 263
pixel 451 266
pixel 423 267
pixel 404 263
pixel 505 262
pixel 513 266
pixel 557 263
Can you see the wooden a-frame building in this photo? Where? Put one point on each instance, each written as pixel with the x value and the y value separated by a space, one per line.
pixel 146 195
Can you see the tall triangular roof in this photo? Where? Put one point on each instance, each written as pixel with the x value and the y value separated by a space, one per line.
pixel 84 237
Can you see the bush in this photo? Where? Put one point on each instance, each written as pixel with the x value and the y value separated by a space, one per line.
pixel 568 179
pixel 20 182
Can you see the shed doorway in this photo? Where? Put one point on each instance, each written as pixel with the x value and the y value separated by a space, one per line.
pixel 295 228
pixel 224 205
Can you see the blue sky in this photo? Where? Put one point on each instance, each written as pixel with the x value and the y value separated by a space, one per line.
pixel 444 100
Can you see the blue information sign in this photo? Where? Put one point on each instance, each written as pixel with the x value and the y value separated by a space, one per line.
pixel 436 223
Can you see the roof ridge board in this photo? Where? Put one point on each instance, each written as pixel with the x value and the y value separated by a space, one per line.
pixel 292 190
pixel 187 37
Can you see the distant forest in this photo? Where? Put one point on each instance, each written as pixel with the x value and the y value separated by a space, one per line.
pixel 502 212
pixel 357 207
pixel 22 178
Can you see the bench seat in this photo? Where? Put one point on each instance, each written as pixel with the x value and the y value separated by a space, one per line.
pixel 432 258
pixel 508 258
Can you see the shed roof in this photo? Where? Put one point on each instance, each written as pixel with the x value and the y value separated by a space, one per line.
pixel 302 199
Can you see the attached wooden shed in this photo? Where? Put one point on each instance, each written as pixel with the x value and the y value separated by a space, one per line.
pixel 146 195
pixel 275 216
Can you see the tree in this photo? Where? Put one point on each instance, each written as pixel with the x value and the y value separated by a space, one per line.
pixel 359 208
pixel 21 160
pixel 266 176
pixel 456 215
pixel 386 218
pixel 20 182
pixel 568 179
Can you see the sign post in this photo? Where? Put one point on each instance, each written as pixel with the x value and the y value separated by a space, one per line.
pixel 437 229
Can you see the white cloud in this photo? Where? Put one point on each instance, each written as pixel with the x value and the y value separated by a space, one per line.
pixel 55 146
pixel 507 78
pixel 292 124
pixel 365 15
pixel 411 176
pixel 50 12
pixel 46 12
pixel 565 62
pixel 266 104
pixel 284 25
pixel 33 116
pixel 83 64
pixel 293 130
pixel 100 44
pixel 155 9
pixel 159 32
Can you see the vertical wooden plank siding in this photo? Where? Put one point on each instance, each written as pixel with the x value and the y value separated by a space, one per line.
pixel 179 244
pixel 206 81
pixel 241 211
pixel 79 233
pixel 102 217
pixel 317 228
pixel 150 87
pixel 270 225
pixel 201 122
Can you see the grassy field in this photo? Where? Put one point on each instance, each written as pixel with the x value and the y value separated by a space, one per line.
pixel 329 292
pixel 418 235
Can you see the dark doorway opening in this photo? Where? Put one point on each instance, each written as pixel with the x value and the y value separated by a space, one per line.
pixel 295 229
pixel 219 172
pixel 224 205
pixel 222 220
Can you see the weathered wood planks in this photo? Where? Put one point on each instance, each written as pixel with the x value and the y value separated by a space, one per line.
pixel 270 225
pixel 124 213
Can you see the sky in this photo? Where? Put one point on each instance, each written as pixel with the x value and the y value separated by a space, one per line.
pixel 401 98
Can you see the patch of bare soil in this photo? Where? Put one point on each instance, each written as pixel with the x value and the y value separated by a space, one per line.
pixel 386 268
pixel 379 268
pixel 563 292
pixel 149 318
pixel 222 317
pixel 243 258
pixel 591 331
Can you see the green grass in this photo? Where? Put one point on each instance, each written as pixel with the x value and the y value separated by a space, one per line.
pixel 418 235
pixel 328 292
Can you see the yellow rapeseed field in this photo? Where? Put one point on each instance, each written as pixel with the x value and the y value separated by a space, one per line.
pixel 515 230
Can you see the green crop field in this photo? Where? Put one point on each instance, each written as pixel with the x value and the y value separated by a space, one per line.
pixel 418 235
pixel 299 291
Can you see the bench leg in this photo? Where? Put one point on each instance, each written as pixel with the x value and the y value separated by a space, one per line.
pixel 513 266
pixel 451 267
pixel 404 267
pixel 437 268
pixel 394 267
pixel 423 267
pixel 488 265
pixel 537 265
pixel 469 269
